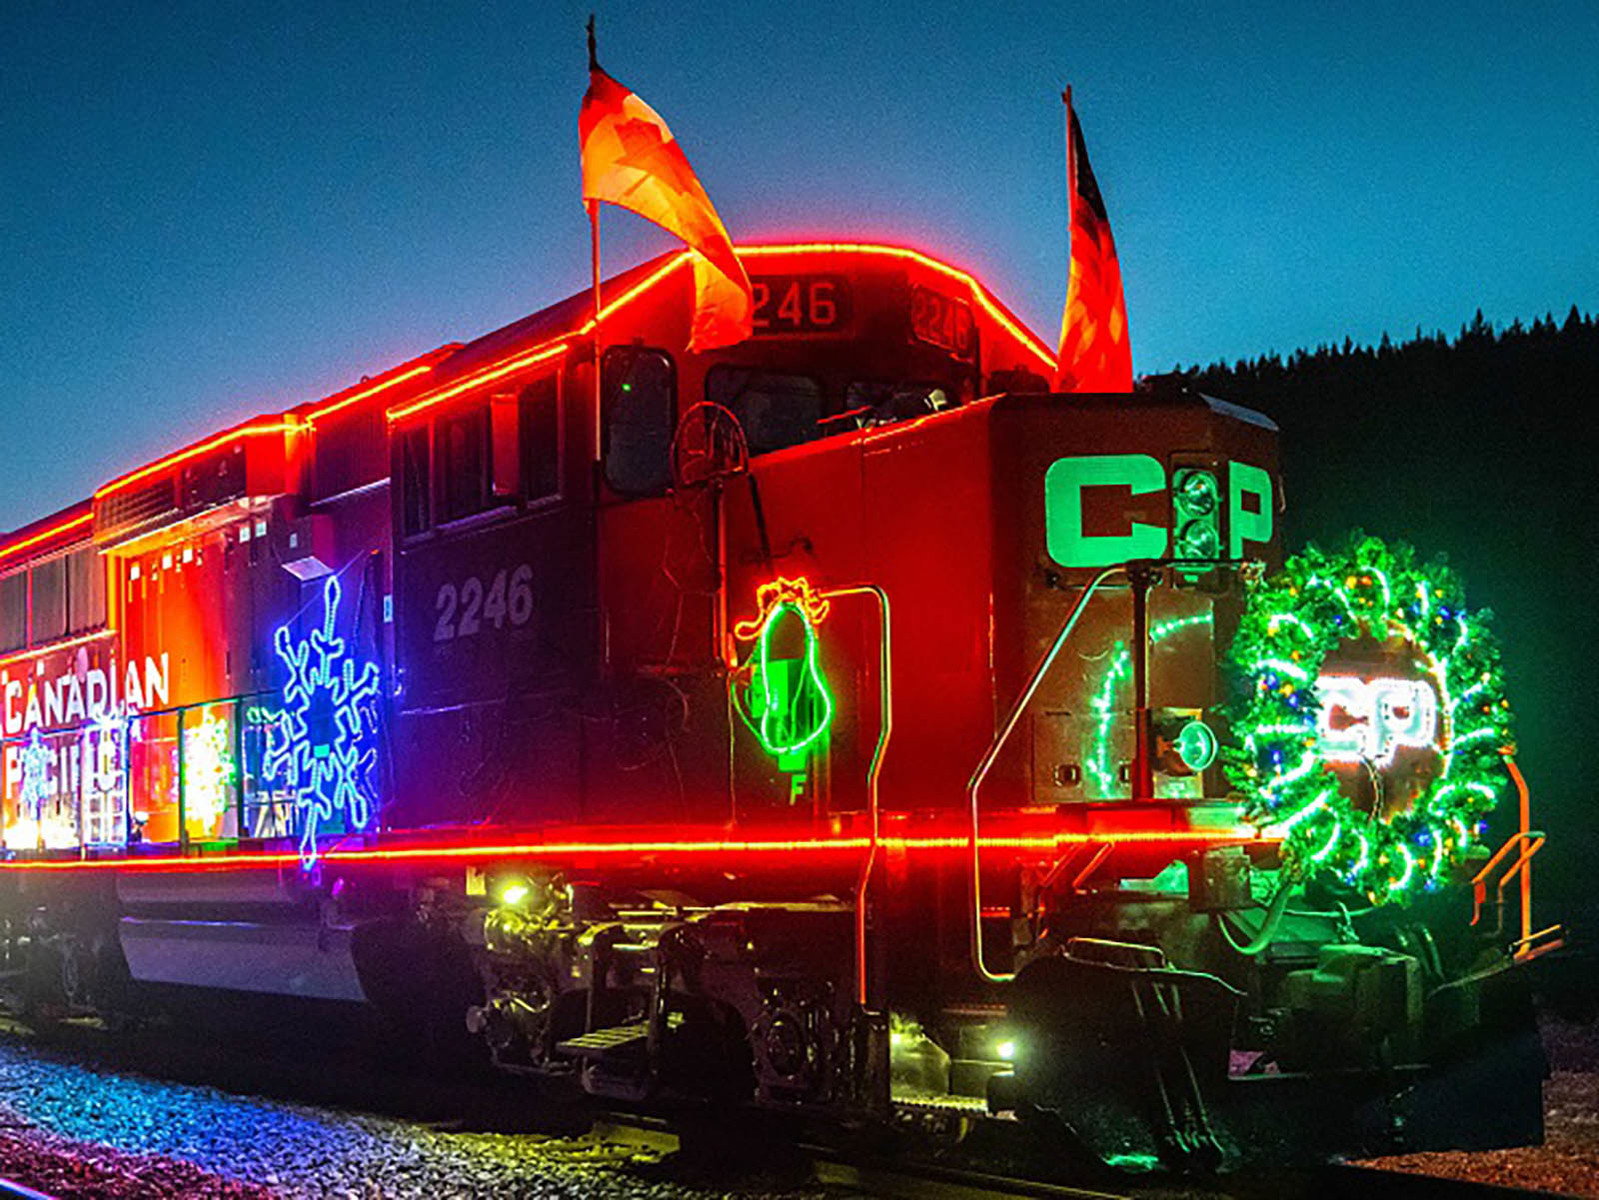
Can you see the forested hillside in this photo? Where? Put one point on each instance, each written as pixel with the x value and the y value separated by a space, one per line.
pixel 1479 447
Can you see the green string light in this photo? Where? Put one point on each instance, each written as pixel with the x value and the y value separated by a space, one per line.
pixel 791 722
pixel 1102 699
pixel 1292 623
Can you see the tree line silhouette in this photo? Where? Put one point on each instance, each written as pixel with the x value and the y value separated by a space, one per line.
pixel 1473 447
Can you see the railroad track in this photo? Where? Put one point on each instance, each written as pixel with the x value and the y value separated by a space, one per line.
pixel 648 1146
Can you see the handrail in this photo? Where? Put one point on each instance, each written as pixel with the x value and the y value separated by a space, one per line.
pixel 997 745
pixel 874 771
pixel 1526 842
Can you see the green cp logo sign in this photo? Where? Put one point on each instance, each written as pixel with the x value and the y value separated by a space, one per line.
pixel 1248 508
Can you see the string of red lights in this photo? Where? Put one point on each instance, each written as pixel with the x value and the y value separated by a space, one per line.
pixel 475 851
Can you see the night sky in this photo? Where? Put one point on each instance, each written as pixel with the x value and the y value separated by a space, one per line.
pixel 210 210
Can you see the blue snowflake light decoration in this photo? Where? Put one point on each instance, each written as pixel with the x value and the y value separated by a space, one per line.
pixel 322 746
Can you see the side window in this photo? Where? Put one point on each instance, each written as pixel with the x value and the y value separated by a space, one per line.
pixel 539 417
pixel 86 607
pixel 415 497
pixel 50 600
pixel 14 611
pixel 639 391
pixel 464 464
pixel 775 410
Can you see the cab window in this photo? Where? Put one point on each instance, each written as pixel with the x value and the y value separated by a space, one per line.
pixel 876 402
pixel 464 464
pixel 539 421
pixel 416 498
pixel 775 410
pixel 638 387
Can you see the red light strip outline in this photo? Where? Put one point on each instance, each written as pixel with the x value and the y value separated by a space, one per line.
pixel 459 852
pixel 985 300
pixel 44 535
pixel 331 405
pixel 542 352
pixel 255 428
pixel 559 345
pixel 52 646
pixel 284 423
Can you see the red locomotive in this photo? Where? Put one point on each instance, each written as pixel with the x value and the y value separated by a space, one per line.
pixel 827 723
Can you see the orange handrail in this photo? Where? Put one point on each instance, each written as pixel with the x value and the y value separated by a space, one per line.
pixel 1525 842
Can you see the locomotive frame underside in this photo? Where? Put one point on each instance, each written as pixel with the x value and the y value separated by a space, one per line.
pixel 837 766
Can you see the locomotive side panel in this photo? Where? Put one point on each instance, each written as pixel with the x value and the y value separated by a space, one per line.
pixel 494 609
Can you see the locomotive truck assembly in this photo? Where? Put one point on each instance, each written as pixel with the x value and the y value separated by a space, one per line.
pixel 836 724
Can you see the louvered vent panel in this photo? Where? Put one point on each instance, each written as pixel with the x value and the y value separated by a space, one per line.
pixel 130 508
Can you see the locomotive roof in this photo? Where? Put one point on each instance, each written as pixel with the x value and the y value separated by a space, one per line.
pixel 566 318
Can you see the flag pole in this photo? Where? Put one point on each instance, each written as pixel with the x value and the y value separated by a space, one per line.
pixel 1071 210
pixel 1071 164
pixel 594 265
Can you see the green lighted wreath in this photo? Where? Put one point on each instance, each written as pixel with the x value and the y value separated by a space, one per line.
pixel 1297 715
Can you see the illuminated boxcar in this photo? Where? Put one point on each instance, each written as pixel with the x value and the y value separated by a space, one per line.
pixel 827 722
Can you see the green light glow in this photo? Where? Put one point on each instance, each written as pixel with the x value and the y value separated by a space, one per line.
pixel 1387 592
pixel 1196 745
pixel 1315 806
pixel 1284 667
pixel 1317 604
pixel 1401 883
pixel 790 720
pixel 1437 837
pixel 1308 763
pixel 1103 698
pixel 1196 508
pixel 1197 493
pixel 1365 856
pixel 1276 620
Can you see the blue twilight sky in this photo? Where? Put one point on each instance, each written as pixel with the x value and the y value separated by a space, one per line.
pixel 209 210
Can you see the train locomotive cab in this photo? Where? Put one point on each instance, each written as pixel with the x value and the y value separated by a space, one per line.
pixel 829 722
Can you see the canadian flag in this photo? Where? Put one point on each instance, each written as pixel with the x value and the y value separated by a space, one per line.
pixel 631 159
pixel 1095 355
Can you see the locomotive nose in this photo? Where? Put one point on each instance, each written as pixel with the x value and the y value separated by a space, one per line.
pixel 1080 490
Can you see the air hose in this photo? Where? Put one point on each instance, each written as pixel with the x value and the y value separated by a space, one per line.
pixel 1274 914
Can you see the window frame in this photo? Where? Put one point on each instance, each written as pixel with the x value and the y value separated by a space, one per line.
pixel 636 350
pixel 478 410
pixel 819 428
pixel 421 431
pixel 524 441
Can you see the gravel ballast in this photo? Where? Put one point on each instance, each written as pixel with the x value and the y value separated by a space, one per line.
pixel 140 1137
pixel 74 1129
